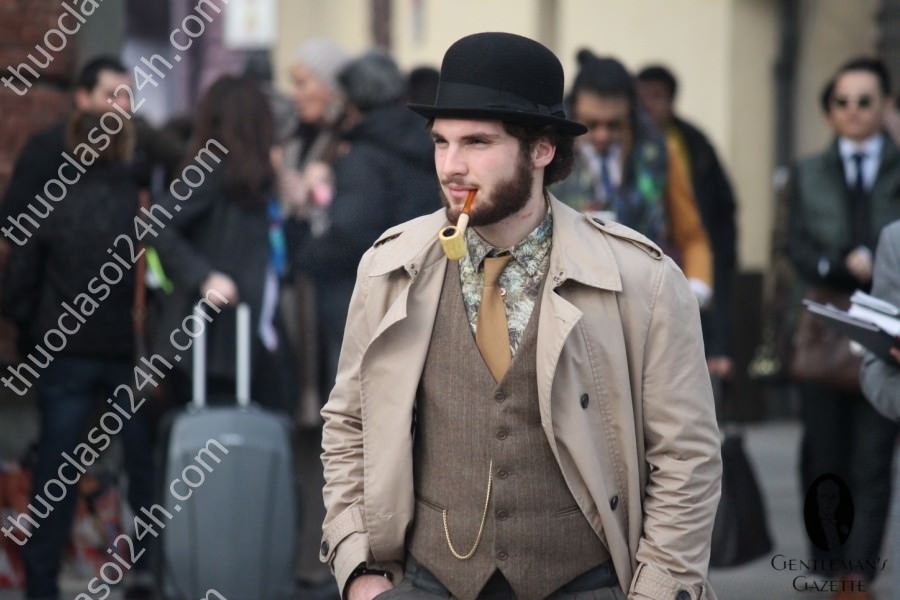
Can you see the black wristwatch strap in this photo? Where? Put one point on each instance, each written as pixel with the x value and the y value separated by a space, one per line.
pixel 361 570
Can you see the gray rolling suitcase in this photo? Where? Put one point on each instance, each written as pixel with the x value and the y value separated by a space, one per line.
pixel 229 486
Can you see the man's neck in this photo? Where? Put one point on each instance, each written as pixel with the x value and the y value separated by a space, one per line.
pixel 516 227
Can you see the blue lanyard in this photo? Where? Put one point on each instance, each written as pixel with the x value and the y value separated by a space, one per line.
pixel 277 244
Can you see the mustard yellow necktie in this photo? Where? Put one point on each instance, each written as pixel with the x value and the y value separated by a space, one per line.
pixel 491 332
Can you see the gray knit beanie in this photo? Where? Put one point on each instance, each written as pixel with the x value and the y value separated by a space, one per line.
pixel 324 58
pixel 372 80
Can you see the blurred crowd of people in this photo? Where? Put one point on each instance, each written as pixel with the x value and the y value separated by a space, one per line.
pixel 308 182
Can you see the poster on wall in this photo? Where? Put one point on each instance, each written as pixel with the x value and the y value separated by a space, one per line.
pixel 250 23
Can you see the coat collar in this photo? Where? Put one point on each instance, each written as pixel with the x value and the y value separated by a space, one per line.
pixel 580 251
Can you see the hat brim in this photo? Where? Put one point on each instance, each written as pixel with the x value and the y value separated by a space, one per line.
pixel 563 126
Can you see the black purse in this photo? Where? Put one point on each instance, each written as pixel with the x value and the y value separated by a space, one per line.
pixel 741 530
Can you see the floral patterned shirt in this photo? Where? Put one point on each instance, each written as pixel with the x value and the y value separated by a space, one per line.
pixel 520 282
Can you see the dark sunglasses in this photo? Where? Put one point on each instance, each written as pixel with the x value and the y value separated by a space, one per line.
pixel 862 103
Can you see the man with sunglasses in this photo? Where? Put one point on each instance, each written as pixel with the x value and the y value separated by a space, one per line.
pixel 625 172
pixel 838 202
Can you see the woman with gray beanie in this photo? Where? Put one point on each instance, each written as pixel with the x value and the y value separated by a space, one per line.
pixel 305 189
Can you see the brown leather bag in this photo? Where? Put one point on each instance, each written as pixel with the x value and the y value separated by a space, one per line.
pixel 819 353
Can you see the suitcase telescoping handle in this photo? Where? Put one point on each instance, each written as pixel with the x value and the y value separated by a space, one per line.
pixel 242 359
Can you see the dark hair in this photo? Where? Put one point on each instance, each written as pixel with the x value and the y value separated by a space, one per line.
pixel 372 80
pixel 660 74
pixel 422 84
pixel 90 72
pixel 826 95
pixel 258 66
pixel 869 65
pixel 82 124
pixel 236 114
pixel 604 76
pixel 564 158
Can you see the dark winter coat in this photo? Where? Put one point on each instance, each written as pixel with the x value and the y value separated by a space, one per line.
pixel 386 177
pixel 211 233
pixel 65 257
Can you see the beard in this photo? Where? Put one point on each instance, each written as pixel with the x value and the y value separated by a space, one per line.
pixel 509 197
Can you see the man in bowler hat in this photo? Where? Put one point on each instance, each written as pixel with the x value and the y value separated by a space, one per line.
pixel 534 420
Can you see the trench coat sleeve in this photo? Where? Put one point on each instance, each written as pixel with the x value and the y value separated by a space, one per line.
pixel 345 543
pixel 686 226
pixel 682 449
pixel 881 380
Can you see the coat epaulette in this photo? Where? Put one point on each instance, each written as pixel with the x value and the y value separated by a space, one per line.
pixel 628 234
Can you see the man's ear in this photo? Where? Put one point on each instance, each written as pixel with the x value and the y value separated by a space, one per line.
pixel 542 153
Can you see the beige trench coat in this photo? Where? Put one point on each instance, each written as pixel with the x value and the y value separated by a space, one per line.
pixel 618 323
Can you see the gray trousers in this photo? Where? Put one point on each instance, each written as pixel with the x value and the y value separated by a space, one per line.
pixel 420 584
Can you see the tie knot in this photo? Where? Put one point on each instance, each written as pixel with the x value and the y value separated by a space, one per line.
pixel 493 266
pixel 858 157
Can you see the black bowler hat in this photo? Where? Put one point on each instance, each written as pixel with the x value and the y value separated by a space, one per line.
pixel 501 76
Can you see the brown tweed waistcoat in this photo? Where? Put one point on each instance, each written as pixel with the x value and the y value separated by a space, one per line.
pixel 534 533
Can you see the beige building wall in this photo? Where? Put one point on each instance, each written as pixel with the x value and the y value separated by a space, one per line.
pixel 748 150
pixel 422 30
pixel 832 31
pixel 722 53
pixel 345 21
pixel 687 36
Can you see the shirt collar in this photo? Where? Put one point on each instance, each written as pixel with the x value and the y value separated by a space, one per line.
pixel 530 252
pixel 871 147
pixel 612 154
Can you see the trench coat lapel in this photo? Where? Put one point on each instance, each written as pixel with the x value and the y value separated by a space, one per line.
pixel 590 264
pixel 390 369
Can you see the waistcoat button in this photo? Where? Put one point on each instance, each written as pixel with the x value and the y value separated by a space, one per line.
pixel 502 515
pixel 502 555
pixel 614 502
pixel 584 400
pixel 502 434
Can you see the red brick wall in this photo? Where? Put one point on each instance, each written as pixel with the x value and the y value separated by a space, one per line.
pixel 23 24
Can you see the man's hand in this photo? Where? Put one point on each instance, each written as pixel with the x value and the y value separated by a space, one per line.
pixel 859 263
pixel 366 587
pixel 895 352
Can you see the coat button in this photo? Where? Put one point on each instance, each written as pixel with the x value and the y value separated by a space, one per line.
pixel 585 399
pixel 682 595
pixel 502 515
pixel 502 473
pixel 325 548
pixel 502 434
pixel 613 503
